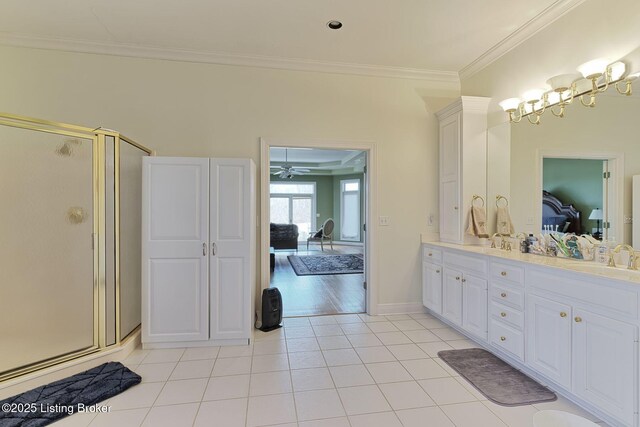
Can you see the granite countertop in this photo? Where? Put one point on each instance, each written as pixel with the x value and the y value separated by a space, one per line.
pixel 573 265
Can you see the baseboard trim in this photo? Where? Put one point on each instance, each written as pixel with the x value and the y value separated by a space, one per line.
pixel 400 308
pixel 27 382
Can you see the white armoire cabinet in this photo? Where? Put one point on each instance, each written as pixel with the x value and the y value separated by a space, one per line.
pixel 463 159
pixel 198 251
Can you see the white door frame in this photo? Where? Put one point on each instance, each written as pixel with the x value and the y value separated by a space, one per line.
pixel 615 198
pixel 371 210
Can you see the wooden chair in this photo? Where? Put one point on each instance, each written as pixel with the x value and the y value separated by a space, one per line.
pixel 325 233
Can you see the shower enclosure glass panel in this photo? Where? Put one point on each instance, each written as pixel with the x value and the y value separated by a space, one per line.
pixel 130 231
pixel 47 266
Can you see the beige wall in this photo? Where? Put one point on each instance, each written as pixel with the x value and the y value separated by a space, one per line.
pixel 188 109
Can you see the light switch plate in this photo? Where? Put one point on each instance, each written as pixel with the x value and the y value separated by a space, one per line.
pixel 384 220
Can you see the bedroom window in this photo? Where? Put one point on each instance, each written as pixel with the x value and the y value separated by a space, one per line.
pixel 294 203
pixel 350 210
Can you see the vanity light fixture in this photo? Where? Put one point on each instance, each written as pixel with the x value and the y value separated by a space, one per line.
pixel 595 77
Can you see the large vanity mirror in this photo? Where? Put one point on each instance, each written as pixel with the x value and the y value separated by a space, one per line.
pixel 569 174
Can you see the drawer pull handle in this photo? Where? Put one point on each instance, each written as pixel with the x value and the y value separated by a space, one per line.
pixel 464 280
pixel 503 314
pixel 503 273
pixel 430 254
pixel 578 319
pixel 455 208
pixel 563 314
pixel 457 277
pixel 503 295
pixel 503 338
pixel 437 271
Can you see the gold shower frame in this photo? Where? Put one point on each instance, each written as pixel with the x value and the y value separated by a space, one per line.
pixel 98 137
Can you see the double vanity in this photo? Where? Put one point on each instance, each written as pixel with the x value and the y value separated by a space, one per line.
pixel 573 325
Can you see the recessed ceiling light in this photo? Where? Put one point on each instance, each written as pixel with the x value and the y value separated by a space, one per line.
pixel 334 25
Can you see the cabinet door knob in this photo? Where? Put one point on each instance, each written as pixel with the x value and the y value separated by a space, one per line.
pixel 455 208
pixel 578 319
pixel 563 314
pixel 464 280
pixel 503 295
pixel 503 338
pixel 503 314
pixel 503 273
pixel 430 254
pixel 437 271
pixel 457 277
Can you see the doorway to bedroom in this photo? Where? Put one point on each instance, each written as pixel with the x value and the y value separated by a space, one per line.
pixel 316 217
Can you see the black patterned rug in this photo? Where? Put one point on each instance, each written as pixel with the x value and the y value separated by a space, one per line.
pixel 318 265
pixel 77 394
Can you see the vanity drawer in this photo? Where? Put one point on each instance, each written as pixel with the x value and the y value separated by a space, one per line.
pixel 507 272
pixel 507 295
pixel 431 254
pixel 467 263
pixel 507 315
pixel 506 338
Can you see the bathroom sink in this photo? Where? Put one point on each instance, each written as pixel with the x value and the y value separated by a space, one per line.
pixel 588 267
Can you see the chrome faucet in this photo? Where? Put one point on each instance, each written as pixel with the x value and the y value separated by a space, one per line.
pixel 631 265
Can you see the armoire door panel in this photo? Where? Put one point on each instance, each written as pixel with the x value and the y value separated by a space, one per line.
pixel 231 202
pixel 230 235
pixel 175 233
pixel 228 295
pixel 177 193
pixel 176 288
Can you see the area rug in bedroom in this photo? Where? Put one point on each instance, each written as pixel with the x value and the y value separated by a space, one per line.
pixel 316 265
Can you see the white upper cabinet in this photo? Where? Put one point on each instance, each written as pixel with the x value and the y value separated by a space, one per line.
pixel 463 151
pixel 198 249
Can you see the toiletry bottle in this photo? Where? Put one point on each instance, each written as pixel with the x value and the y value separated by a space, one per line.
pixel 524 246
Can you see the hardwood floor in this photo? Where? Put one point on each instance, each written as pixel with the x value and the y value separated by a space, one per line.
pixel 318 295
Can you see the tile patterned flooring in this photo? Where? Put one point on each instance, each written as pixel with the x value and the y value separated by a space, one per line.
pixel 329 371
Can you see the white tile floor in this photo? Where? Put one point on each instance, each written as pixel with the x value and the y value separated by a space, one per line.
pixel 330 371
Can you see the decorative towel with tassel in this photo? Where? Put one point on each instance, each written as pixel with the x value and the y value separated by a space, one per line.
pixel 478 222
pixel 503 223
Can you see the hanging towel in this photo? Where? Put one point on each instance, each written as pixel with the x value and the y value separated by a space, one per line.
pixel 503 223
pixel 477 222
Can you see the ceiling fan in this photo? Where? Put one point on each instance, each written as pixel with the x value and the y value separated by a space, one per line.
pixel 288 171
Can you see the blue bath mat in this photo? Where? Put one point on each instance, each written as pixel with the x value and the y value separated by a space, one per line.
pixel 76 394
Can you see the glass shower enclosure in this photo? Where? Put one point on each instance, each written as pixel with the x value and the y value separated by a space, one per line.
pixel 70 227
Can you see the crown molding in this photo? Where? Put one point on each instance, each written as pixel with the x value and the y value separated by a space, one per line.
pixel 449 78
pixel 526 31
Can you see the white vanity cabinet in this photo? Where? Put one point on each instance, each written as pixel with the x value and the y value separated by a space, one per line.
pixel 464 293
pixel 198 251
pixel 432 279
pixel 581 335
pixel 576 332
pixel 462 130
pixel 506 308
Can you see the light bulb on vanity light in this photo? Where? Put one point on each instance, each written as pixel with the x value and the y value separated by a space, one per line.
pixel 510 105
pixel 533 96
pixel 594 69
